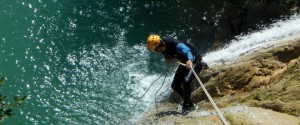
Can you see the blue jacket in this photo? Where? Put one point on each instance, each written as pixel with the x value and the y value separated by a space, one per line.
pixel 178 49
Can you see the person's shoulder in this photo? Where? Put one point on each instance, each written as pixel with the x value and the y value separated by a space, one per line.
pixel 168 38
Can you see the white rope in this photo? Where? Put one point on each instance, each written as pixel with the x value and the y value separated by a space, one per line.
pixel 209 97
pixel 166 73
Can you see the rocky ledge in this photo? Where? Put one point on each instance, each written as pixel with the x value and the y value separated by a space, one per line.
pixel 259 88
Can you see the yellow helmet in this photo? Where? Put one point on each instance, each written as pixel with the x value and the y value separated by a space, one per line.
pixel 152 42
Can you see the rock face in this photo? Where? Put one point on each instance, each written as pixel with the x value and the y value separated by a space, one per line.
pixel 268 79
pixel 242 16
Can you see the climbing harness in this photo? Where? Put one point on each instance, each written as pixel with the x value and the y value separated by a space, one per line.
pixel 208 96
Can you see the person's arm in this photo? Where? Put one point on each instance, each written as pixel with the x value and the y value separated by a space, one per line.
pixel 185 50
pixel 168 58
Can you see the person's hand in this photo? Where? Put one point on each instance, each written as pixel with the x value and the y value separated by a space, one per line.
pixel 189 64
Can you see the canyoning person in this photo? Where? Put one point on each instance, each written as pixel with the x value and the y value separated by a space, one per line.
pixel 176 49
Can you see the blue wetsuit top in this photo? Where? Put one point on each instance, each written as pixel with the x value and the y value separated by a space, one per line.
pixel 179 50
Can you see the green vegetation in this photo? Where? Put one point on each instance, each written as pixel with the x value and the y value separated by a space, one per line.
pixel 6 108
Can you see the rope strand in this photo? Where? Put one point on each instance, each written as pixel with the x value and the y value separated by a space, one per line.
pixel 132 108
pixel 160 87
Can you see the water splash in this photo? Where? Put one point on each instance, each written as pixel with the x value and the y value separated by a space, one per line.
pixel 245 44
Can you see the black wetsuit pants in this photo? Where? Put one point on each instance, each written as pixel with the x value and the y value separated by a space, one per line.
pixel 183 79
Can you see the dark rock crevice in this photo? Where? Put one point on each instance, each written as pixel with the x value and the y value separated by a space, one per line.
pixel 287 54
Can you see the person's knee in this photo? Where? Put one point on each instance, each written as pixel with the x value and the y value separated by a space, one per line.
pixel 187 87
pixel 176 82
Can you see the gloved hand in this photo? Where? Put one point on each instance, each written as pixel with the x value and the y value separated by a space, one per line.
pixel 189 64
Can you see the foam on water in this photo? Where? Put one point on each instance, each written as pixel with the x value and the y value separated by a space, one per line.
pixel 245 44
pixel 108 82
pixel 148 100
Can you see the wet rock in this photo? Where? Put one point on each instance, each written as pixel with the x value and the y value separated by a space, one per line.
pixel 240 17
pixel 288 53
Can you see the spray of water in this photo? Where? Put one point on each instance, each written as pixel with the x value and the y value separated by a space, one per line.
pixel 245 44
pixel 108 82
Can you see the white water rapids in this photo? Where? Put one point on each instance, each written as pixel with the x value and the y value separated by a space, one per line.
pixel 245 44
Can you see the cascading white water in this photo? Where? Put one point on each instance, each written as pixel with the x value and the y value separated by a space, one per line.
pixel 245 44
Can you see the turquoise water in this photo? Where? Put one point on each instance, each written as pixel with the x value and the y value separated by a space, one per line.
pixel 85 61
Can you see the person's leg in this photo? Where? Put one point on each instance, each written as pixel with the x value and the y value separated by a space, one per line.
pixel 187 102
pixel 187 91
pixel 178 79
